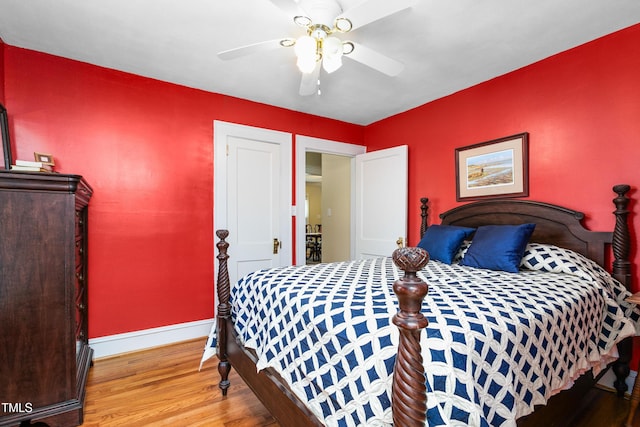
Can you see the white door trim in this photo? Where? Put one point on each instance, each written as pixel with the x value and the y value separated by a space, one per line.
pixel 306 144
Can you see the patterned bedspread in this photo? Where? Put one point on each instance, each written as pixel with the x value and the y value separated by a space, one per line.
pixel 496 345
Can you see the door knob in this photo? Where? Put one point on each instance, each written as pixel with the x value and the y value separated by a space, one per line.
pixel 277 244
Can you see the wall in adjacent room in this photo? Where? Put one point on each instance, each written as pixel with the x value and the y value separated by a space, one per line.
pixel 146 148
pixel 581 109
pixel 336 208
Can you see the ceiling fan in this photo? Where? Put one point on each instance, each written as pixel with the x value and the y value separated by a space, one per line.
pixel 320 48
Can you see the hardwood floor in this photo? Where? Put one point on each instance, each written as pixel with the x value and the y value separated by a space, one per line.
pixel 163 387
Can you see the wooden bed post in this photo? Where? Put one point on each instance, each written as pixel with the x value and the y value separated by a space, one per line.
pixel 224 310
pixel 621 239
pixel 620 243
pixel 409 394
pixel 424 212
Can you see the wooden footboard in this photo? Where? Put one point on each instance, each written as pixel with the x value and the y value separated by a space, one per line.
pixel 555 225
pixel 267 384
pixel 409 396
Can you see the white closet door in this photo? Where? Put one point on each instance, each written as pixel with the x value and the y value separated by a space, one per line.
pixel 252 191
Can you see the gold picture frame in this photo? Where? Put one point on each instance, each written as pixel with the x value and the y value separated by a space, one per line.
pixel 493 169
pixel 45 159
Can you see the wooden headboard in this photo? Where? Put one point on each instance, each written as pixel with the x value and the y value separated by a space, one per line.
pixel 554 225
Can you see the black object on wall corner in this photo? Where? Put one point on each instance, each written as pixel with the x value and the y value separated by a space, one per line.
pixel 6 144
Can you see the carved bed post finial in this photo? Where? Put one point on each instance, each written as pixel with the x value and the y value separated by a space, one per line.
pixel 409 394
pixel 621 239
pixel 620 243
pixel 224 310
pixel 424 213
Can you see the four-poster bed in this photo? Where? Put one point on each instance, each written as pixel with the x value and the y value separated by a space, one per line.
pixel 308 401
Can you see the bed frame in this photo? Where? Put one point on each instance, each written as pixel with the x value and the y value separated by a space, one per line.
pixel 554 225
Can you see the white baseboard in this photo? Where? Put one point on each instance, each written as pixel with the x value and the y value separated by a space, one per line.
pixel 139 340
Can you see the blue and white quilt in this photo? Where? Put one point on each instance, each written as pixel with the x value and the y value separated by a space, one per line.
pixel 497 343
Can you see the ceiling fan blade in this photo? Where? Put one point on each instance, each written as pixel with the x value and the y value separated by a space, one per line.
pixel 249 49
pixel 309 82
pixel 372 10
pixel 375 60
pixel 290 7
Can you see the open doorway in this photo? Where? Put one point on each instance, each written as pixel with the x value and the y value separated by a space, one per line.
pixel 328 166
pixel 327 207
pixel 313 208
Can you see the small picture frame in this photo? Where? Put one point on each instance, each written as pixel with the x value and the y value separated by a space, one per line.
pixel 493 169
pixel 45 159
pixel 6 143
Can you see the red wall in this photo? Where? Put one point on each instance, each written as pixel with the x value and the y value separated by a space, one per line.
pixel 146 148
pixel 581 109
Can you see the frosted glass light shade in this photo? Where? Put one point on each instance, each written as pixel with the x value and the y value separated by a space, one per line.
pixel 306 51
pixel 331 54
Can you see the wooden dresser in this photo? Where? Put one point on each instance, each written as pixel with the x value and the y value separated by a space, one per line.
pixel 44 350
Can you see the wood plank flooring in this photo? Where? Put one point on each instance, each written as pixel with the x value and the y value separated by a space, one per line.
pixel 163 387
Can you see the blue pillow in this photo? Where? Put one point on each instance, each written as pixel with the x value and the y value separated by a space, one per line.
pixel 443 241
pixel 498 247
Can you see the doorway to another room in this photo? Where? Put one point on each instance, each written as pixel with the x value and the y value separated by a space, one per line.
pixel 324 189
pixel 313 208
pixel 327 207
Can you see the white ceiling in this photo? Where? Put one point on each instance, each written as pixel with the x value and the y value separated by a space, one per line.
pixel 446 45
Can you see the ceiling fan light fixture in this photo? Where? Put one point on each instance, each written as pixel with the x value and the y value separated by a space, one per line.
pixel 331 64
pixel 343 25
pixel 287 42
pixel 302 21
pixel 319 32
pixel 331 54
pixel 306 46
pixel 305 65
pixel 306 49
pixel 332 46
pixel 347 48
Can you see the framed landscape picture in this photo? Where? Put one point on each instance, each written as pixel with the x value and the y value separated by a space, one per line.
pixel 492 169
